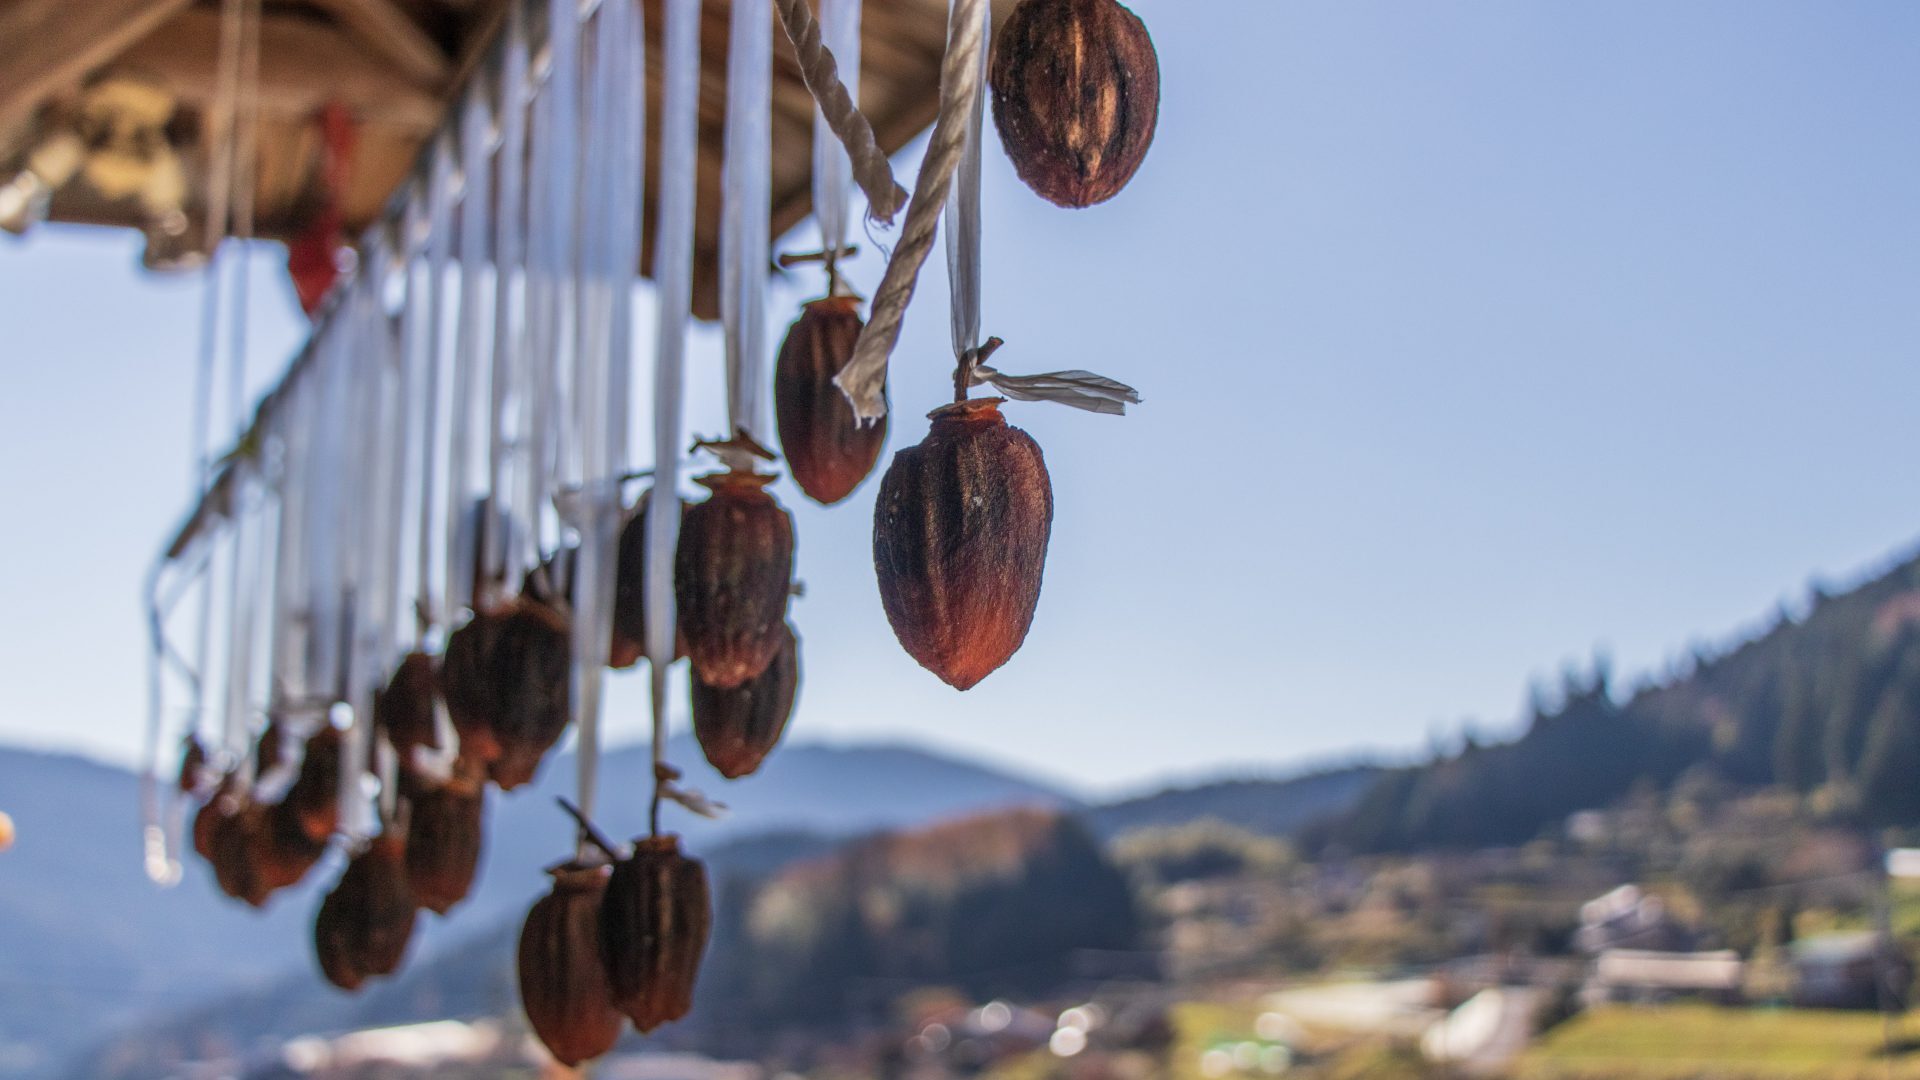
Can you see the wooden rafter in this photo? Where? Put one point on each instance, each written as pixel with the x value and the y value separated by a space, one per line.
pixel 47 46
pixel 380 26
pixel 303 65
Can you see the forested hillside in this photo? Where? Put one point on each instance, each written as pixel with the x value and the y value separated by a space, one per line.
pixel 1827 705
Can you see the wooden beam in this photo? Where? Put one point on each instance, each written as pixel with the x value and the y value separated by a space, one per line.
pixel 303 65
pixel 51 45
pixel 380 26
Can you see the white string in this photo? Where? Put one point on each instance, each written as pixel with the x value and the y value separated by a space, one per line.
pixel 509 455
pixel 832 167
pixel 157 796
pixel 963 210
pixel 473 387
pixel 746 211
pixel 553 222
pixel 1078 389
pixel 439 224
pixel 612 180
pixel 673 288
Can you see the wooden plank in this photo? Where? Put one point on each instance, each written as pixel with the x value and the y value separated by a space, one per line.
pixel 303 65
pixel 47 46
pixel 387 30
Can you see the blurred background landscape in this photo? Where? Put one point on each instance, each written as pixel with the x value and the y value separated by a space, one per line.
pixel 1492 650
pixel 1699 875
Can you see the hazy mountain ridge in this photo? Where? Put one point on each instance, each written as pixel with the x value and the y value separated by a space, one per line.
pixel 1276 807
pixel 89 946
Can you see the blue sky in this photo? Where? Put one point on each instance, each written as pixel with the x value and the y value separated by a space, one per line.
pixel 1474 337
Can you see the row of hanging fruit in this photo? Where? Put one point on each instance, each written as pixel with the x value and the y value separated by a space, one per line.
pixel 962 520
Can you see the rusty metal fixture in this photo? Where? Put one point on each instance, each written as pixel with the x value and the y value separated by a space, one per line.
pixel 314 798
pixel 506 679
pixel 1076 96
pixel 445 836
pixel 960 537
pixel 563 984
pixel 630 581
pixel 738 728
pixel 654 924
pixel 828 451
pixel 365 923
pixel 405 709
pixel 733 576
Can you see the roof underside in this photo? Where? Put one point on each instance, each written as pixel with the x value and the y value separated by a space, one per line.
pixel 394 65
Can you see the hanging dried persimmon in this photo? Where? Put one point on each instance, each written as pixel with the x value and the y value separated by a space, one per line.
pixel 563 983
pixel 733 576
pixel 405 709
pixel 1076 96
pixel 506 678
pixel 630 583
pixel 960 537
pixel 552 583
pixel 194 769
pixel 654 924
pixel 445 836
pixel 365 923
pixel 828 451
pixel 739 727
pixel 314 798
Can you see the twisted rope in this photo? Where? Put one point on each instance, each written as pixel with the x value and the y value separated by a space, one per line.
pixel 864 378
pixel 871 169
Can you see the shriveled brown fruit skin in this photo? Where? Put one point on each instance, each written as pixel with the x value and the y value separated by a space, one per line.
pixel 738 728
pixel 960 541
pixel 270 749
pixel 314 798
pixel 233 853
pixel 563 984
pixel 444 838
pixel 506 679
pixel 365 923
pixel 828 452
pixel 654 925
pixel 543 584
pixel 222 804
pixel 404 709
pixel 630 583
pixel 1076 96
pixel 283 852
pixel 733 576
pixel 193 766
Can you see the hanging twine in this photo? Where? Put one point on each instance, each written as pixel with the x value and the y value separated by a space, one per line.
pixel 673 275
pixel 871 169
pixel 864 378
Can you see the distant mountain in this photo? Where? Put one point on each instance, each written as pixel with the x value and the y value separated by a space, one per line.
pixel 809 933
pixel 1274 807
pixel 89 946
pixel 473 978
pixel 1825 703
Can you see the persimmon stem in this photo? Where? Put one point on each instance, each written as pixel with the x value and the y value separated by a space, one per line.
pixel 969 361
pixel 587 829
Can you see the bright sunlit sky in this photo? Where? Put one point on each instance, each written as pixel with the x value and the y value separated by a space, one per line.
pixel 1473 336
